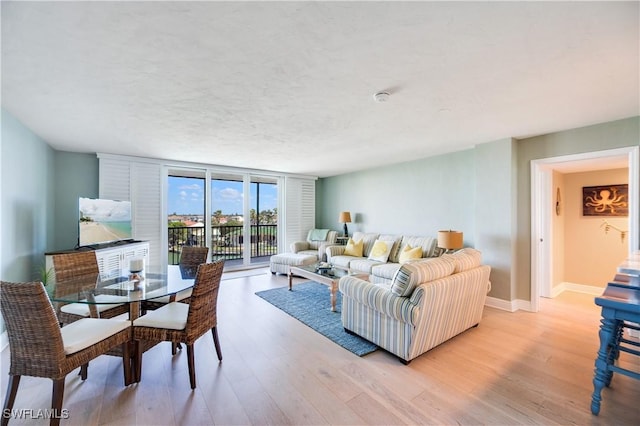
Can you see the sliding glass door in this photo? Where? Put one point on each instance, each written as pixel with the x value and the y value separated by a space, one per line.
pixel 227 218
pixel 186 218
pixel 263 213
pixel 244 228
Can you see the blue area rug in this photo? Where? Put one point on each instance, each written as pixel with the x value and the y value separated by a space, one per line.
pixel 310 303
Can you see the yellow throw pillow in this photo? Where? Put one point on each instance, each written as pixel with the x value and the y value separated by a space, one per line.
pixel 354 248
pixel 410 254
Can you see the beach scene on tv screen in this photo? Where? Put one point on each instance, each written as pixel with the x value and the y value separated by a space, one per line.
pixel 104 220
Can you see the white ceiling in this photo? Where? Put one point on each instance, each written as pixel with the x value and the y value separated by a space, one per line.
pixel 288 86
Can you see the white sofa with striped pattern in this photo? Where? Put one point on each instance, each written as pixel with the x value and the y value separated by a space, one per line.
pixel 380 272
pixel 428 302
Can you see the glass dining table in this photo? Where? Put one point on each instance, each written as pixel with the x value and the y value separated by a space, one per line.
pixel 130 288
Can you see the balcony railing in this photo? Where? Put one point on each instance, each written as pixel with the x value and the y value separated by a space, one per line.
pixel 227 242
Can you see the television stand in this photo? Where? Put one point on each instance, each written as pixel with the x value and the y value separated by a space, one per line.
pixel 112 258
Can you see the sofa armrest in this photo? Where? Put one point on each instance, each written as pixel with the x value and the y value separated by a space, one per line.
pixel 299 246
pixel 335 250
pixel 322 250
pixel 379 298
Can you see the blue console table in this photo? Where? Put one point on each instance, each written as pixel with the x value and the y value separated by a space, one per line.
pixel 620 304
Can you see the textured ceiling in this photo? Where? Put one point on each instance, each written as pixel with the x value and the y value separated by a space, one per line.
pixel 288 86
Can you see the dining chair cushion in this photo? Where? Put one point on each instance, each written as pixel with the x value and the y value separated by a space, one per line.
pixel 88 331
pixel 181 295
pixel 172 316
pixel 82 309
pixel 110 298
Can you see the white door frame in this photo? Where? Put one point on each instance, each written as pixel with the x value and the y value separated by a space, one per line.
pixel 541 211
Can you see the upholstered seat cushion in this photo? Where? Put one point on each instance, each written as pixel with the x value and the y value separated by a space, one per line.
pixel 385 271
pixel 363 265
pixel 343 261
pixel 103 302
pixel 88 331
pixel 280 263
pixel 172 316
pixel 312 252
pixel 181 295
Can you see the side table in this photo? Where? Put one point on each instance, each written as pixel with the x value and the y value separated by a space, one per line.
pixel 342 241
pixel 620 309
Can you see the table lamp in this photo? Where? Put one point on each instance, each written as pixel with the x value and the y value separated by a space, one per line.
pixel 345 217
pixel 450 240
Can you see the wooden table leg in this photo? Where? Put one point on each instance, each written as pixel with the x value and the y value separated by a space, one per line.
pixel 290 280
pixel 134 313
pixel 334 295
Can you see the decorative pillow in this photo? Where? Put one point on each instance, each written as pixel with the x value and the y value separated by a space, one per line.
pixel 380 250
pixel 354 248
pixel 428 244
pixel 412 274
pixel 394 240
pixel 410 254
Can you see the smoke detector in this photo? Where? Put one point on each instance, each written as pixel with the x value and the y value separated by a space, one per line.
pixel 381 96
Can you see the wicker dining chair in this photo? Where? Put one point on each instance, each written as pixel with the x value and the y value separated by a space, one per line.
pixel 76 272
pixel 190 258
pixel 40 348
pixel 182 322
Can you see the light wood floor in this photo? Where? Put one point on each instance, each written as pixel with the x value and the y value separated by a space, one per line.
pixel 515 368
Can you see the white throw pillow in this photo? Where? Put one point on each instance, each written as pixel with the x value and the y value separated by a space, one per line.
pixel 381 250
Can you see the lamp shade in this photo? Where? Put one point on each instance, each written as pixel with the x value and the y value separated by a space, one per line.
pixel 345 217
pixel 450 240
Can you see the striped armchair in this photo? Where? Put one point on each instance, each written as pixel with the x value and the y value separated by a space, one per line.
pixel 428 302
pixel 316 243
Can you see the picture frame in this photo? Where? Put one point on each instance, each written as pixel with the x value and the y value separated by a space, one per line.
pixel 605 200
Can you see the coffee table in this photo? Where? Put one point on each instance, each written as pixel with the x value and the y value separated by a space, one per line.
pixel 328 277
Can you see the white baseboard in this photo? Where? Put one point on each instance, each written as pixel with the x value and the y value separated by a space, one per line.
pixel 525 305
pixel 578 288
pixel 508 305
pixel 4 340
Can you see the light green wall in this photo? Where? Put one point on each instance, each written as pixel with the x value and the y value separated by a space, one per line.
pixel 495 199
pixel 27 200
pixel 599 137
pixel 472 191
pixel 76 176
pixel 39 189
pixel 416 198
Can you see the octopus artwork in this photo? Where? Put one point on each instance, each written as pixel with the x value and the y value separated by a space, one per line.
pixel 605 200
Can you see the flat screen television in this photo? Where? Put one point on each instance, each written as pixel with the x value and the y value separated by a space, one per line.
pixel 103 221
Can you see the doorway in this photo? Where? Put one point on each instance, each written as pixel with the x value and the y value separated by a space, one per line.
pixel 544 198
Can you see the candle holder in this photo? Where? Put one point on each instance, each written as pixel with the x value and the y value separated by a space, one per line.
pixel 136 268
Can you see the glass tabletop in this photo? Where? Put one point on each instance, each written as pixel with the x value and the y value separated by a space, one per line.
pixel 326 270
pixel 148 284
